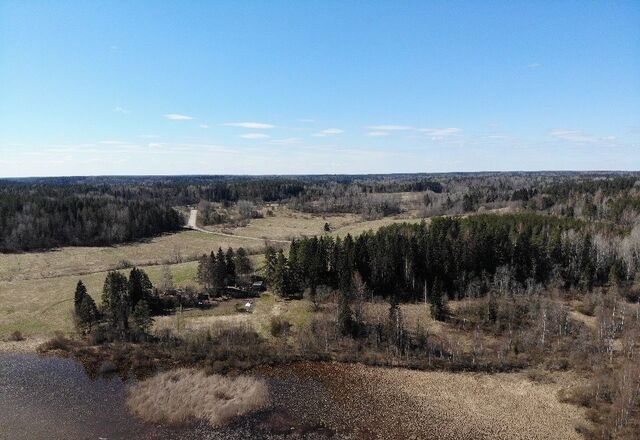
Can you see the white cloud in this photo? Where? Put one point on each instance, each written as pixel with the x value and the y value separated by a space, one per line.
pixel 378 133
pixel 154 145
pixel 251 125
pixel 434 133
pixel 113 143
pixel 204 126
pixel 329 132
pixel 286 141
pixel 578 136
pixel 122 110
pixel 440 133
pixel 254 136
pixel 389 127
pixel 177 117
pixel 306 120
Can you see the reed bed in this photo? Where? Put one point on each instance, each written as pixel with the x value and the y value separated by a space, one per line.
pixel 184 395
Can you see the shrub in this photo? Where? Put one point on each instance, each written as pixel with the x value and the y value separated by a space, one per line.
pixel 58 342
pixel 279 326
pixel 16 336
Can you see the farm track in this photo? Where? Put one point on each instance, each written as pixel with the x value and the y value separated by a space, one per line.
pixel 191 224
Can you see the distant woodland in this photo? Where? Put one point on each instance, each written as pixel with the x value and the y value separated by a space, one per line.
pixel 38 218
pixel 37 213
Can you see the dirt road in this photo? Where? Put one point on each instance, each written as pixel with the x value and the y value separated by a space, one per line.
pixel 191 224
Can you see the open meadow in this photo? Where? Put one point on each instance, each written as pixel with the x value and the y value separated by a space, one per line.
pixel 36 288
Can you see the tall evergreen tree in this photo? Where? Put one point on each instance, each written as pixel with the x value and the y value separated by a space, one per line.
pixel 438 301
pixel 270 259
pixel 210 272
pixel 243 263
pixel 345 322
pixel 116 302
pixel 280 282
pixel 230 262
pixel 220 270
pixel 142 316
pixel 139 286
pixel 80 293
pixel 87 313
pixel 201 274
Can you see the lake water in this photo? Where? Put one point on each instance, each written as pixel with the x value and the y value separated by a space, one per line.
pixel 53 398
pixel 43 397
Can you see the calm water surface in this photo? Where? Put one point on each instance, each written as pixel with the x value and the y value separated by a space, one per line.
pixel 43 397
pixel 53 398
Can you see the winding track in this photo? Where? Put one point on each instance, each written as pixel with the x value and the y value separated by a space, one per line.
pixel 191 224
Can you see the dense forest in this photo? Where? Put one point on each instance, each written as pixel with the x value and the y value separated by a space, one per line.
pixel 48 212
pixel 36 219
pixel 462 257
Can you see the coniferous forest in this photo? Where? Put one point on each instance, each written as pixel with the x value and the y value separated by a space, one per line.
pixel 33 219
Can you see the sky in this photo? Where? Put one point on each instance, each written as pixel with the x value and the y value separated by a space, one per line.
pixel 309 87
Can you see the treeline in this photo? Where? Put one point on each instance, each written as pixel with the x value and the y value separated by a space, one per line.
pixel 607 197
pixel 185 190
pixel 457 257
pixel 41 212
pixel 35 218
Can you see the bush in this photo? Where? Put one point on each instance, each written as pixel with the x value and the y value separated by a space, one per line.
pixel 58 342
pixel 16 336
pixel 124 264
pixel 279 326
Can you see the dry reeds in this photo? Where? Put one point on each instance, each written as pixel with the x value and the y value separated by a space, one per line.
pixel 183 395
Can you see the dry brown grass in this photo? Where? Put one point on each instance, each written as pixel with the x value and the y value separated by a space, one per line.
pixel 389 403
pixel 502 406
pixel 225 314
pixel 286 224
pixel 180 396
pixel 170 248
pixel 42 306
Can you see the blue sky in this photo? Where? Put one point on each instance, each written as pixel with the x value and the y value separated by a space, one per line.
pixel 152 87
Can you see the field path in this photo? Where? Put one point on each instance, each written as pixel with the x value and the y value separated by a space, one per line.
pixel 191 224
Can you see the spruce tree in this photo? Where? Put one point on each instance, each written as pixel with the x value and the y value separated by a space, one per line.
pixel 201 274
pixel 210 272
pixel 269 263
pixel 139 286
pixel 281 281
pixel 220 270
pixel 87 313
pixel 116 303
pixel 142 317
pixel 81 292
pixel 242 262
pixel 438 300
pixel 230 263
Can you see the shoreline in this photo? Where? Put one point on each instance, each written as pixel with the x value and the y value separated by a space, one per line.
pixel 27 345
